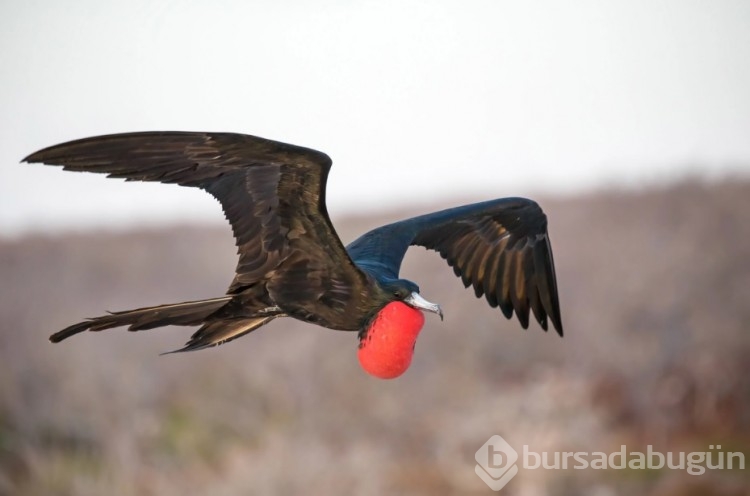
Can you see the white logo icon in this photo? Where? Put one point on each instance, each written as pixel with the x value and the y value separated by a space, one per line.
pixel 496 462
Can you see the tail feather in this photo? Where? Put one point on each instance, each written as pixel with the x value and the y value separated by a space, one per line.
pixel 222 331
pixel 185 314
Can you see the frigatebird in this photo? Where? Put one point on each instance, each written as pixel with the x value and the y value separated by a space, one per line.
pixel 293 264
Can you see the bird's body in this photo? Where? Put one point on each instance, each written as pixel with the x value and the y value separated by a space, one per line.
pixel 291 261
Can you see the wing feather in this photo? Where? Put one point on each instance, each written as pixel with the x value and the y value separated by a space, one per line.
pixel 272 194
pixel 499 247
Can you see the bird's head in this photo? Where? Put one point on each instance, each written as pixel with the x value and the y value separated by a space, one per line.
pixel 387 342
pixel 407 291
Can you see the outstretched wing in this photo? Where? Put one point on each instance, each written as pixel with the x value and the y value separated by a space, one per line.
pixel 500 247
pixel 272 193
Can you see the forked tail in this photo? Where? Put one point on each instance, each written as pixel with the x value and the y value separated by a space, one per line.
pixel 212 332
pixel 140 319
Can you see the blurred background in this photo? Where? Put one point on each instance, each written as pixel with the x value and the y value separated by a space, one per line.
pixel 627 121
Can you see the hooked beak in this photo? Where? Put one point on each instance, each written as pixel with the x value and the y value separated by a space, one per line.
pixel 416 300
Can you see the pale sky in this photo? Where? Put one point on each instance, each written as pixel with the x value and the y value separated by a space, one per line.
pixel 412 100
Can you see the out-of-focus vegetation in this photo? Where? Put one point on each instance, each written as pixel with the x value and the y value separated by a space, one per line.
pixel 655 290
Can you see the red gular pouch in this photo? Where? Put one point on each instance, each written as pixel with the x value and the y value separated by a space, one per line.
pixel 387 347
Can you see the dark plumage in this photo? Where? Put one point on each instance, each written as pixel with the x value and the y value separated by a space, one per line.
pixel 291 261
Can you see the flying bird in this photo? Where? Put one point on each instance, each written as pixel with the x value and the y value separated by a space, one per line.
pixel 293 264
